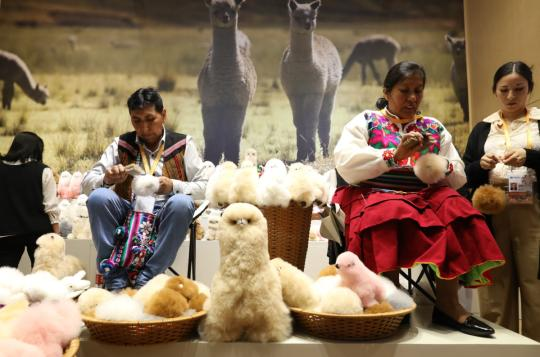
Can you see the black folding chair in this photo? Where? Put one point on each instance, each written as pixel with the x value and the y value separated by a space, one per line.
pixel 192 253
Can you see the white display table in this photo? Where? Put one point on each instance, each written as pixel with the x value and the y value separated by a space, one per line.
pixel 417 340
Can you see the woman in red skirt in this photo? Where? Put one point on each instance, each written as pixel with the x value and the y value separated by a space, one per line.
pixel 393 219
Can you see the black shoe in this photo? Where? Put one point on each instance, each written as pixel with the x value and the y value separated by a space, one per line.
pixel 471 326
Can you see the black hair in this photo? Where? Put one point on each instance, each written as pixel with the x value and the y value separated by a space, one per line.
pixel 513 67
pixel 143 97
pixel 26 145
pixel 396 74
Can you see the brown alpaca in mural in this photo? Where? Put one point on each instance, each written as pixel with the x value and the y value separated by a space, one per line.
pixel 226 83
pixel 14 70
pixel 310 74
pixel 370 49
pixel 459 72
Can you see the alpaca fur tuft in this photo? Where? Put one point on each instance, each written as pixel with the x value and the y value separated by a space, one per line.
pixel 489 199
pixel 246 290
pixel 272 190
pixel 431 168
pixel 145 185
pixel 219 184
pixel 50 256
pixel 120 308
pixel 244 185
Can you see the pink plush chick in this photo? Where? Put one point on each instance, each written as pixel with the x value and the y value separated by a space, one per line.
pixel 357 277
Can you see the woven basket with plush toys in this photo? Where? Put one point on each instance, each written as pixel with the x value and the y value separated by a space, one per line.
pixel 285 197
pixel 166 309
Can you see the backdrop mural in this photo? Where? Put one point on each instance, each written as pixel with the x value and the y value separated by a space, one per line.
pixel 234 74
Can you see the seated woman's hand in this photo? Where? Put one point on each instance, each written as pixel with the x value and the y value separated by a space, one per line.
pixel 115 174
pixel 488 161
pixel 514 157
pixel 410 143
pixel 165 185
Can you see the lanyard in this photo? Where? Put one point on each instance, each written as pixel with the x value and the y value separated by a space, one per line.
pixel 507 132
pixel 147 169
pixel 395 119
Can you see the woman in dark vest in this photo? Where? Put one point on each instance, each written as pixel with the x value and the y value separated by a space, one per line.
pixel 29 207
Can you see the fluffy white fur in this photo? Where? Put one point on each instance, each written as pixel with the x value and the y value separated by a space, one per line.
pixel 42 285
pixel 205 290
pixel 120 308
pixel 431 168
pixel 399 299
pixel 156 283
pixel 357 277
pixel 341 300
pixel 272 189
pixel 76 284
pixel 296 287
pixel 306 185
pixel 14 347
pixel 51 256
pixel 244 185
pixel 80 224
pixel 11 279
pixel 63 185
pixel 145 185
pixel 325 284
pixel 90 299
pixel 246 290
pixel 219 184
pixel 214 216
pixel 75 184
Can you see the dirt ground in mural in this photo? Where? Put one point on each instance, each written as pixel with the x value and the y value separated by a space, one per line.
pixel 90 72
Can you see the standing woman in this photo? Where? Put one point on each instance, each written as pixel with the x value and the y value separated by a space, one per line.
pixel 503 146
pixel 29 207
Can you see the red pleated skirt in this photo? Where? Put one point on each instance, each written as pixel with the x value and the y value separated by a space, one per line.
pixel 435 226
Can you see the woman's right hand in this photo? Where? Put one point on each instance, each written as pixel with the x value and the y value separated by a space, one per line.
pixel 115 174
pixel 410 143
pixel 488 161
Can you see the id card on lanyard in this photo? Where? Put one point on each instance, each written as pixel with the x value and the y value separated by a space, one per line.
pixel 520 189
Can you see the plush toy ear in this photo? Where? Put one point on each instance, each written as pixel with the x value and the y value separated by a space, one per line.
pixel 293 5
pixel 79 275
pixel 315 5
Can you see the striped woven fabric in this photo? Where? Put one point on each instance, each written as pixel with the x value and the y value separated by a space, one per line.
pixel 397 179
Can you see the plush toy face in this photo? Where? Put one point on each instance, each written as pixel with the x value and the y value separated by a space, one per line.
pixel 348 262
pixel 242 224
pixel 52 242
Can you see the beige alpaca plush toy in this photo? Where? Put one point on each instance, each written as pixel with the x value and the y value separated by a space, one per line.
pixel 219 184
pixel 296 286
pixel 246 291
pixel 51 256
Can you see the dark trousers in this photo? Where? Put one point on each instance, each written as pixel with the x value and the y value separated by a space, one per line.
pixel 12 248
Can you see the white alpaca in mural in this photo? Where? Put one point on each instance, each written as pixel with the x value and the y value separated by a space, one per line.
pixel 370 49
pixel 459 72
pixel 310 74
pixel 14 70
pixel 226 83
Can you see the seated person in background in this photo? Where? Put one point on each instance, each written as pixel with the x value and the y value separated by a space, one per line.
pixel 28 204
pixel 173 158
pixel 507 143
pixel 393 220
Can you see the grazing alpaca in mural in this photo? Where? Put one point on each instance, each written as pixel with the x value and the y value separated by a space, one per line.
pixel 459 72
pixel 310 75
pixel 370 49
pixel 226 83
pixel 14 70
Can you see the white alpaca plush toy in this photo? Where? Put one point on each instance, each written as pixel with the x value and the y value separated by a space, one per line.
pixel 246 291
pixel 42 285
pixel 272 189
pixel 244 185
pixel 219 184
pixel 306 185
pixel 214 216
pixel 431 168
pixel 80 223
pixel 341 300
pixel 51 256
pixel 91 298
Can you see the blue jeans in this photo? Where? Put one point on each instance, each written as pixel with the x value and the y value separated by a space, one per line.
pixel 106 211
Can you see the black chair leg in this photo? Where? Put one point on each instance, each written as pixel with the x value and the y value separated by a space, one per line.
pixel 192 252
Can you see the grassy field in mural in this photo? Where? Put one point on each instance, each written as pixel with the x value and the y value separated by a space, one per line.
pixel 91 71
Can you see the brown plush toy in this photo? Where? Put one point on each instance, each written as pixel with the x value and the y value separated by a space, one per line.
pixel 328 270
pixel 489 199
pixel 168 301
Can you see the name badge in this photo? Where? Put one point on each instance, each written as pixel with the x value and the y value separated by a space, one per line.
pixel 520 190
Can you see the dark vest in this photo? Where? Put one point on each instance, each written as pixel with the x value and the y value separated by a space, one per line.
pixel 173 158
pixel 21 199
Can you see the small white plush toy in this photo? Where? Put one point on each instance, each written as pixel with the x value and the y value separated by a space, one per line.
pixel 145 187
pixel 219 185
pixel 431 168
pixel 51 256
pixel 244 185
pixel 272 189
pixel 76 284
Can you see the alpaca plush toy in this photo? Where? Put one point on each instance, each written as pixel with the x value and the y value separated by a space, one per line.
pixel 135 240
pixel 63 185
pixel 365 283
pixel 50 256
pixel 296 286
pixel 219 184
pixel 244 185
pixel 80 228
pixel 75 185
pixel 91 298
pixel 272 189
pixel 246 291
pixel 341 300
pixel 306 185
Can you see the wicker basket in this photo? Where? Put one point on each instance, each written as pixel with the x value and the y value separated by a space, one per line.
pixel 144 332
pixel 349 327
pixel 288 232
pixel 72 348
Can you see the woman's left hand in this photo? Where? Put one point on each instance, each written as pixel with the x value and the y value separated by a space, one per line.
pixel 165 185
pixel 514 157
